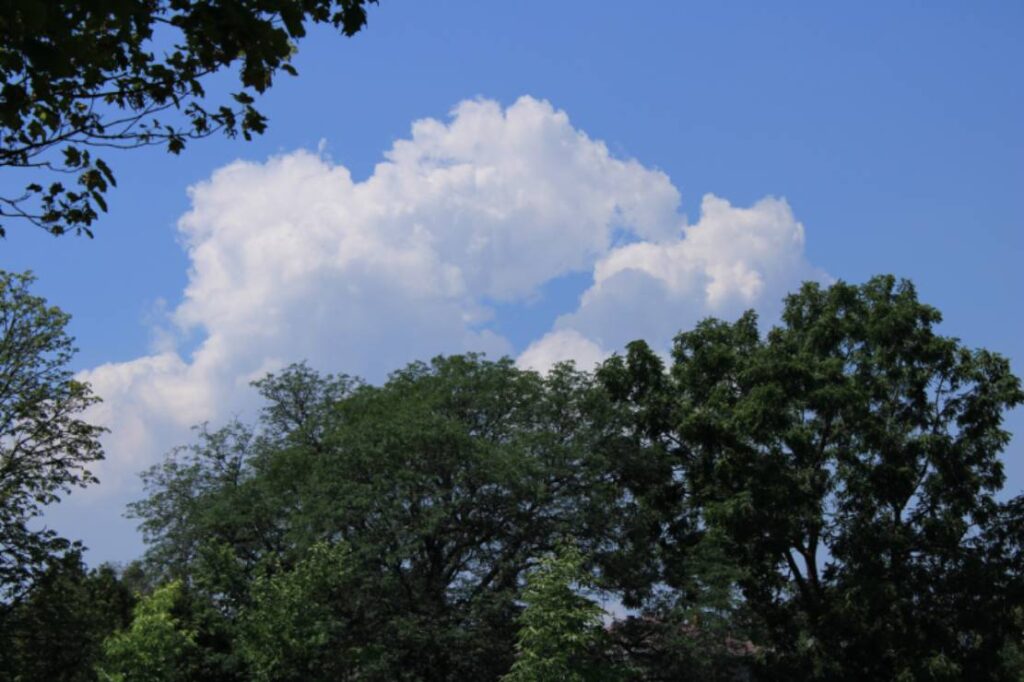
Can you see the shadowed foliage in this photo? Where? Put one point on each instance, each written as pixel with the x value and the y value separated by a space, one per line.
pixel 79 77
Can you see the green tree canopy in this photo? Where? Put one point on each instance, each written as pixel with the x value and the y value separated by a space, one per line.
pixel 444 485
pixel 56 631
pixel 77 76
pixel 849 461
pixel 817 502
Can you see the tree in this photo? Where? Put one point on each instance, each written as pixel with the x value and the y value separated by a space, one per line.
pixel 814 503
pixel 81 75
pixel 306 623
pixel 156 647
pixel 702 630
pixel 55 633
pixel 849 462
pixel 444 486
pixel 45 445
pixel 561 631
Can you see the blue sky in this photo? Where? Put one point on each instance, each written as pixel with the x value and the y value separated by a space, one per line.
pixel 871 138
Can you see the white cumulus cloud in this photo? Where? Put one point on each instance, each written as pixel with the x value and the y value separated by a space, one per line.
pixel 292 259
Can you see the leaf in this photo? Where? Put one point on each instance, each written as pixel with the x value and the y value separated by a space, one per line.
pixel 72 157
pixel 100 201
pixel 105 169
pixel 292 18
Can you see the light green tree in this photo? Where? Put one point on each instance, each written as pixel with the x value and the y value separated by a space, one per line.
pixel 157 647
pixel 561 631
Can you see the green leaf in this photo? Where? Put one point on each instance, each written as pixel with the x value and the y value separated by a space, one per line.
pixel 105 169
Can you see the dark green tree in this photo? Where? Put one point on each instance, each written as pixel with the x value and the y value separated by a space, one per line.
pixel 849 461
pixel 77 76
pixel 700 631
pixel 45 445
pixel 445 484
pixel 817 503
pixel 227 489
pixel 55 633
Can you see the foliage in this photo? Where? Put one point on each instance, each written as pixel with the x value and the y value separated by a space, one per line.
pixel 815 503
pixel 81 75
pixel 702 632
pixel 55 633
pixel 45 445
pixel 303 623
pixel 849 461
pixel 186 505
pixel 157 647
pixel 444 484
pixel 561 632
